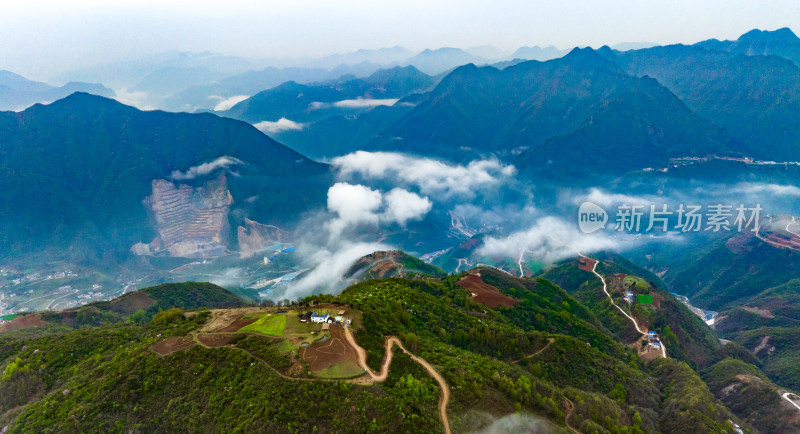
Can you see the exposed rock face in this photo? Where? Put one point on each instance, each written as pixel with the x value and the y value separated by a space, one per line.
pixel 254 236
pixel 191 222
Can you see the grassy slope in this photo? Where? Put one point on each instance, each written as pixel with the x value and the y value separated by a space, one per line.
pixel 272 325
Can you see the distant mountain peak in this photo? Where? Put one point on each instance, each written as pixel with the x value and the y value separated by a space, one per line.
pixel 409 71
pixel 433 62
pixel 588 57
pixel 538 53
pixel 443 50
pixel 782 34
pixel 781 42
pixel 88 98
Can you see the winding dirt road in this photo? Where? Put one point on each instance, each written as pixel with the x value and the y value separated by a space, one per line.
pixel 786 397
pixel 570 408
pixel 384 372
pixel 605 290
pixel 529 356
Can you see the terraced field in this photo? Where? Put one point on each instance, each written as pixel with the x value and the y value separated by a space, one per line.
pixel 269 324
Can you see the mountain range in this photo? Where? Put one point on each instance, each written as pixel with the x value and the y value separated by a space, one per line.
pixel 674 101
pixel 546 113
pixel 746 95
pixel 76 173
pixel 782 42
pixel 17 92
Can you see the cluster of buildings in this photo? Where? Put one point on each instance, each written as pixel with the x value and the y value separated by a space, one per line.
pixel 326 319
pixel 62 274
pixel 652 339
pixel 37 276
pixel 90 295
pixel 629 296
pixel 27 278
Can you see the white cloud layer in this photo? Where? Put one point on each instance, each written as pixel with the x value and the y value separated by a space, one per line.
pixel 403 206
pixel 358 204
pixel 549 239
pixel 770 189
pixel 364 103
pixel 433 177
pixel 227 103
pixel 358 103
pixel 278 126
pixel 133 98
pixel 604 199
pixel 331 266
pixel 206 168
pixel 353 204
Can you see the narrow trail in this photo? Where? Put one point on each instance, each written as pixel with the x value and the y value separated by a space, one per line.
pixel 605 290
pixel 786 397
pixel 549 341
pixel 262 361
pixel 384 372
pixel 480 264
pixel 570 408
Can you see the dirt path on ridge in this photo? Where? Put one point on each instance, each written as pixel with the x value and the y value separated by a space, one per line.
pixel 384 372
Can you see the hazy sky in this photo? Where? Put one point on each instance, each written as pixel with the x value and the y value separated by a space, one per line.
pixel 41 37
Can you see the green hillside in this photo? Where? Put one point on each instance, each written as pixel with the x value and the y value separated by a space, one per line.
pixel 724 272
pixel 107 377
pixel 688 338
pixel 745 94
pixel 744 389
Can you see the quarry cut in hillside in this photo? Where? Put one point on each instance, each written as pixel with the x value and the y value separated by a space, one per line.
pixel 190 222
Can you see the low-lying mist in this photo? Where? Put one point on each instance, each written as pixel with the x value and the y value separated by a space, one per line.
pixel 387 201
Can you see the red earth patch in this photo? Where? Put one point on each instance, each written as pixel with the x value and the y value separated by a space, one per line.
pixel 586 264
pixel 238 324
pixel 332 351
pixel 485 293
pixel 215 340
pixel 173 344
pixel 22 322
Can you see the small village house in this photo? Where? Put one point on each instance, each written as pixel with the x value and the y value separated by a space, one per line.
pixel 315 317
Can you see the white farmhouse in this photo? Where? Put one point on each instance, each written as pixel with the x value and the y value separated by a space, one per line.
pixel 315 317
